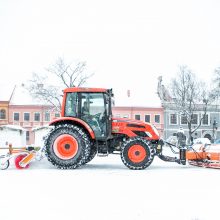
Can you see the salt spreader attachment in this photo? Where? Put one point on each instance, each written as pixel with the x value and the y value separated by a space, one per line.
pixel 22 156
pixel 204 155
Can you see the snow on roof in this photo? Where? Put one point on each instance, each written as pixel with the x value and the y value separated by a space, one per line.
pixel 42 127
pixel 21 96
pixel 6 92
pixel 136 98
pixel 13 127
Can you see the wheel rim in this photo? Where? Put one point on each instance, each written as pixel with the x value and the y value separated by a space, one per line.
pixel 137 153
pixel 3 163
pixel 65 147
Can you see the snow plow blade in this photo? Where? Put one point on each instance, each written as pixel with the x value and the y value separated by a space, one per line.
pixel 204 155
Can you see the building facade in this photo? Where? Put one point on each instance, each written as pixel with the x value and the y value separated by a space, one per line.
pixel 209 125
pixel 30 117
pixel 18 108
pixel 5 97
pixel 4 112
pixel 173 120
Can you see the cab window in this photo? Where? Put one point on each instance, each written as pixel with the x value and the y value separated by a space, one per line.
pixel 71 105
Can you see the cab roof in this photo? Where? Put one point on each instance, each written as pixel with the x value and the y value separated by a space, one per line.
pixel 84 89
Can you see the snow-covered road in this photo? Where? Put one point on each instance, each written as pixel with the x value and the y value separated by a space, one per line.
pixel 105 189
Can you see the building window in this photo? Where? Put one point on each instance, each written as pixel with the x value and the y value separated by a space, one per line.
pixel 173 119
pixel 157 118
pixel 2 114
pixel 183 120
pixel 16 116
pixel 47 116
pixel 26 116
pixel 27 135
pixel 36 116
pixel 195 119
pixel 57 115
pixel 125 116
pixel 147 118
pixel 137 117
pixel 205 120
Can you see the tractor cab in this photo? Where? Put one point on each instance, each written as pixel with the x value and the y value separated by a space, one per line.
pixel 92 106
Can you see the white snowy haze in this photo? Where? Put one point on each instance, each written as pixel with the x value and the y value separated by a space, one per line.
pixel 127 44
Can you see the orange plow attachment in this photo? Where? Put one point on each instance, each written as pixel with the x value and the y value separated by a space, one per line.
pixel 204 155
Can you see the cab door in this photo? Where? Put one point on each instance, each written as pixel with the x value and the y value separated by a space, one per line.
pixel 93 112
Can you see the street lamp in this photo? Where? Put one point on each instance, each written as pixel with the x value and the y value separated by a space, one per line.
pixel 214 129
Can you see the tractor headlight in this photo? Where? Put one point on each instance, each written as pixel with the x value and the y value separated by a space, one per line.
pixel 148 134
pixel 155 130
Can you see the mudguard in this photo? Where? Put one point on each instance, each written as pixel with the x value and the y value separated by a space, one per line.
pixel 75 121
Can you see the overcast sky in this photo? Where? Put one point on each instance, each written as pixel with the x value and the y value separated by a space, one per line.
pixel 127 44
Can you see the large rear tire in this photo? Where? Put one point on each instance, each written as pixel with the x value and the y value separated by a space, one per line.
pixel 67 146
pixel 137 154
pixel 92 154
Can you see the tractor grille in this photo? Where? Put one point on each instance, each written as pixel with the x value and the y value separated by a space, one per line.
pixel 135 126
pixel 140 133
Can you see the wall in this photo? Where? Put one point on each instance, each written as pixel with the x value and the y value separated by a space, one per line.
pixel 14 136
pixel 4 105
pixel 203 131
pixel 32 123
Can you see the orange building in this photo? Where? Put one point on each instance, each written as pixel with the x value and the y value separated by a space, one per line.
pixel 4 112
pixel 29 113
pixel 5 97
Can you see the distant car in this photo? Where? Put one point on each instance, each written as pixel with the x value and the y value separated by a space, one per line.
pixel 217 141
pixel 201 141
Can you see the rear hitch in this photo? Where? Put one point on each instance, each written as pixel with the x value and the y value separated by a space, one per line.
pixel 182 156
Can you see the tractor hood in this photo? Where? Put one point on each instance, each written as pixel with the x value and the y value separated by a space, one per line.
pixel 133 128
pixel 130 121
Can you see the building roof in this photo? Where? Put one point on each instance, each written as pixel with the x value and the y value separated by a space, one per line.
pixel 13 127
pixel 136 98
pixel 21 96
pixel 42 128
pixel 6 92
pixel 139 108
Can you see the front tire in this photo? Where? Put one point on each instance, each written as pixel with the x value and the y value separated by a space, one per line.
pixel 67 146
pixel 137 154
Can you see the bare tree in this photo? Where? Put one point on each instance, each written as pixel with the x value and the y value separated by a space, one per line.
pixel 190 96
pixel 48 87
pixel 216 84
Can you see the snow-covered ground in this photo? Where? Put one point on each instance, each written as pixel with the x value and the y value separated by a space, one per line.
pixel 105 189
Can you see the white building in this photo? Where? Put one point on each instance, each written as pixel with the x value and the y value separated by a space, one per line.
pixel 12 134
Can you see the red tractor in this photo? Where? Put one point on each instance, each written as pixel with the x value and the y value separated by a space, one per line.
pixel 86 128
